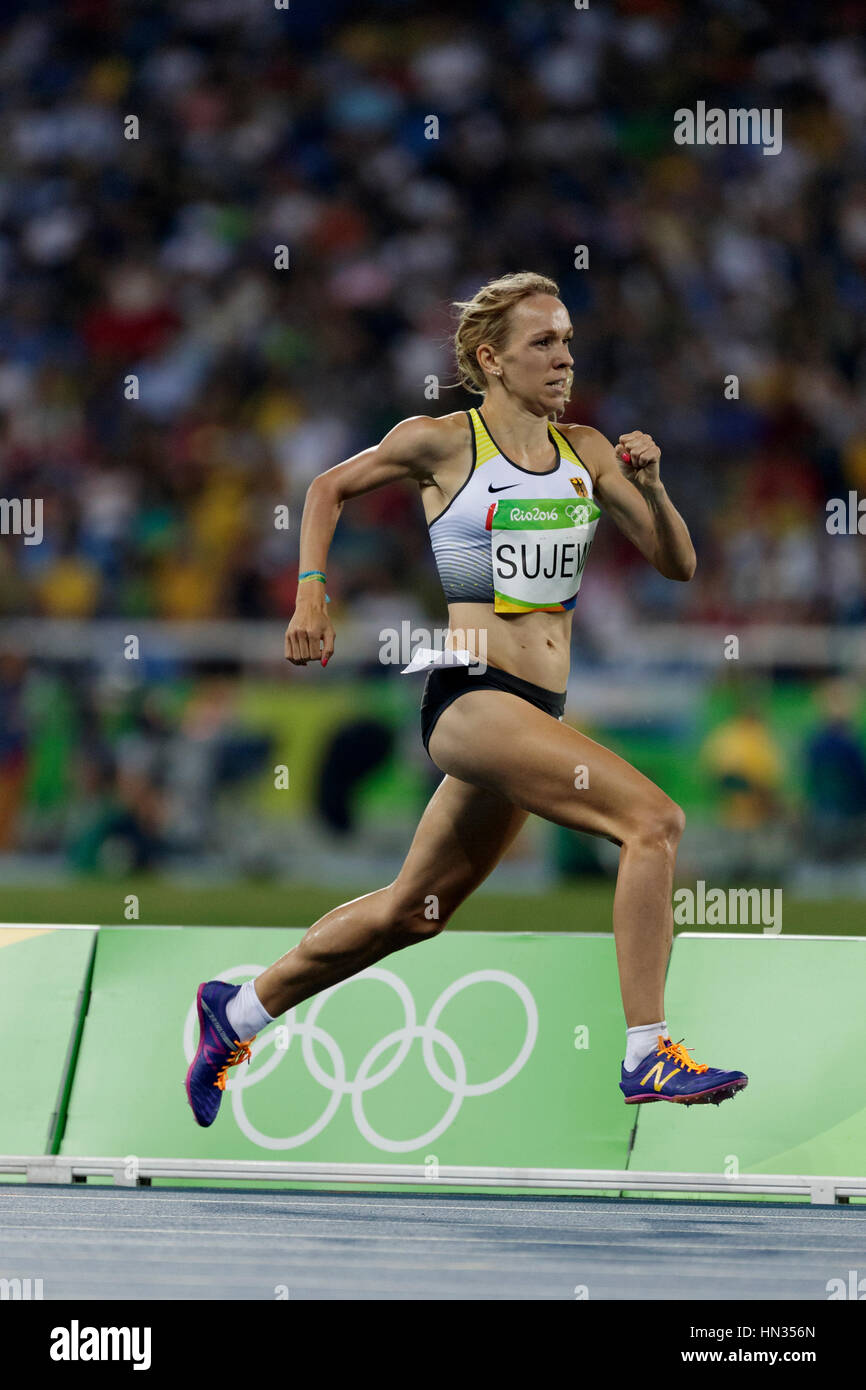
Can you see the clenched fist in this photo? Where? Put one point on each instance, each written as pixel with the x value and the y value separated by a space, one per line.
pixel 644 454
pixel 309 636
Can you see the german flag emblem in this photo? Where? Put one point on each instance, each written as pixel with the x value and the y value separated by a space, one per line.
pixel 579 486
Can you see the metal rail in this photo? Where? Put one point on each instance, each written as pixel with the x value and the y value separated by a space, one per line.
pixel 133 1171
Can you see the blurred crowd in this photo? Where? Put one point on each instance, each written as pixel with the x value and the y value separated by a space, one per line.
pixel 121 775
pixel 153 258
pixel 112 774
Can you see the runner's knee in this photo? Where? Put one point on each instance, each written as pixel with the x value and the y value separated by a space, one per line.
pixel 659 824
pixel 417 916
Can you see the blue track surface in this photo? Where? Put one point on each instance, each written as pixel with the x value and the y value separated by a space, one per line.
pixel 114 1243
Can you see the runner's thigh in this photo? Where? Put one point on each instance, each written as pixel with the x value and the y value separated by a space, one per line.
pixel 498 741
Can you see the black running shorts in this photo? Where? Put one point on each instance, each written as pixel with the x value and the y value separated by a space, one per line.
pixel 447 683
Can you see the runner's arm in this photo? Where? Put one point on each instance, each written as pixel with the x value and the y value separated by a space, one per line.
pixel 635 497
pixel 409 452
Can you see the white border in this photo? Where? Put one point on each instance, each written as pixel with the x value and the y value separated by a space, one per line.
pixel 822 1191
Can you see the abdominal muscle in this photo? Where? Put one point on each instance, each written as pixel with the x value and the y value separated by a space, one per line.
pixel 535 647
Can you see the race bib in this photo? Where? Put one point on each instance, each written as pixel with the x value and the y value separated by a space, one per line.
pixel 539 549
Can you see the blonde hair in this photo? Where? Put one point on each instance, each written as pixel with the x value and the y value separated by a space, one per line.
pixel 484 319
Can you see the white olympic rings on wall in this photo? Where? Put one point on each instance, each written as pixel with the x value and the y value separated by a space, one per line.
pixel 337 1082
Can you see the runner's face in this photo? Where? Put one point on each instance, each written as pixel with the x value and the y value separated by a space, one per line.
pixel 536 362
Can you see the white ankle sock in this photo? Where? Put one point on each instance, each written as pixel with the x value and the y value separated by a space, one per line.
pixel 246 1013
pixel 640 1041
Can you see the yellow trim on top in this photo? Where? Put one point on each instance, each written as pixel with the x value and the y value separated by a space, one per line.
pixel 566 450
pixel 485 449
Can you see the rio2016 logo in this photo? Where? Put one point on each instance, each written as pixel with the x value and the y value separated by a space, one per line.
pixel 277 1041
pixel 518 513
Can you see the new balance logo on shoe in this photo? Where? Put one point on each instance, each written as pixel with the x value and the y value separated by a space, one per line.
pixel 656 1071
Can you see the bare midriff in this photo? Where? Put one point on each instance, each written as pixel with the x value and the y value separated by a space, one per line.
pixel 534 646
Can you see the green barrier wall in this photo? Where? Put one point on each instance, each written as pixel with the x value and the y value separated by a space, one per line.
pixel 789 1012
pixel 462 1047
pixel 42 975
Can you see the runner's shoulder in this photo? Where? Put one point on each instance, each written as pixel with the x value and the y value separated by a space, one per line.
pixel 591 446
pixel 429 441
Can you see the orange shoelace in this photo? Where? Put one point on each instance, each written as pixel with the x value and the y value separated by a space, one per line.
pixel 679 1054
pixel 240 1054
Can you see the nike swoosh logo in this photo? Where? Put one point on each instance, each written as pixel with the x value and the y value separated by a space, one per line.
pixel 491 488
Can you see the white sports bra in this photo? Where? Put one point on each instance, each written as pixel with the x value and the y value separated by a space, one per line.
pixel 490 548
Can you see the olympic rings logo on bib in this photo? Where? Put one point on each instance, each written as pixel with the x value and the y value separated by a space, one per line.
pixel 368 1077
pixel 581 513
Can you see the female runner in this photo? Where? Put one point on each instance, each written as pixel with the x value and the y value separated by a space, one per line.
pixel 512 503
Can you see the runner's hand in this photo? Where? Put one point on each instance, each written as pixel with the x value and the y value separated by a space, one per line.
pixel 642 468
pixel 310 634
